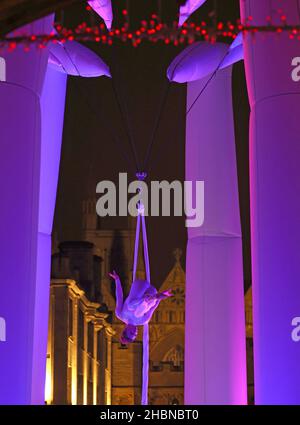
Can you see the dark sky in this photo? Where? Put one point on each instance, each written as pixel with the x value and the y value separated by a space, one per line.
pixel 93 121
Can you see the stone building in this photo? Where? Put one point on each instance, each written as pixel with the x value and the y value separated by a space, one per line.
pixel 79 340
pixel 86 364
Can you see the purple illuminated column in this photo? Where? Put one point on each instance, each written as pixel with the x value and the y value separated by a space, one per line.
pixel 275 201
pixel 20 123
pixel 52 108
pixel 215 357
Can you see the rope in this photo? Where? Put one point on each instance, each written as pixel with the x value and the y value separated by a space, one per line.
pixel 125 119
pixel 156 126
pixel 146 252
pixel 141 219
pixel 126 126
pixel 207 82
pixel 136 247
pixel 126 122
pixel 121 150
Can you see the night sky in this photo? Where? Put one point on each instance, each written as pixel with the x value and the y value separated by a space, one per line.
pixel 93 122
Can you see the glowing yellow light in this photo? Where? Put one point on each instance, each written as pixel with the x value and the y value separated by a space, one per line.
pixel 48 383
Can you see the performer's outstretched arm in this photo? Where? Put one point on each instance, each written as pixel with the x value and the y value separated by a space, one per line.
pixel 119 293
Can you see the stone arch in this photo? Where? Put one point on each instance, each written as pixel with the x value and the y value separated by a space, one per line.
pixel 175 355
pixel 164 345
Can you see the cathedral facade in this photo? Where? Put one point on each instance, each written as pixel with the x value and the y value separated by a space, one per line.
pixel 78 368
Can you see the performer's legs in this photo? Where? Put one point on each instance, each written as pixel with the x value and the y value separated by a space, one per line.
pixel 150 291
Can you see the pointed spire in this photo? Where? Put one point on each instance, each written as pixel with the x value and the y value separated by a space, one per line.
pixel 176 277
pixel 177 255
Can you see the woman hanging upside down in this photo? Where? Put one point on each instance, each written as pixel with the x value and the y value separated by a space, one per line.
pixel 138 307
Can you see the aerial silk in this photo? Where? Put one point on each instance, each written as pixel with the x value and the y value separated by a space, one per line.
pixel 141 302
pixel 275 203
pixel 134 310
pixel 141 220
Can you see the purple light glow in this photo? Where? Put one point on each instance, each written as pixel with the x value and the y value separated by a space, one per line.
pixel 31 118
pixel 200 59
pixel 196 61
pixel 187 9
pixel 215 345
pixel 74 59
pixel 20 120
pixel 275 205
pixel 104 9
pixel 52 108
pixel 233 56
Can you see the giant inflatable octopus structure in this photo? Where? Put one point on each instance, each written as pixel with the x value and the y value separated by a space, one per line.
pixel 32 93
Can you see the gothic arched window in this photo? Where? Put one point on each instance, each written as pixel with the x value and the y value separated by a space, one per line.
pixel 175 355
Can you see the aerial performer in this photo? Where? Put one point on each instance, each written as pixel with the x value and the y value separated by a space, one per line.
pixel 138 307
pixel 143 298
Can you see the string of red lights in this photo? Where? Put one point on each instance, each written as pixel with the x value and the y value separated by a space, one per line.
pixel 153 30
